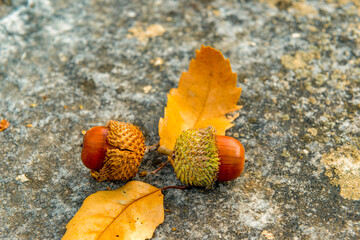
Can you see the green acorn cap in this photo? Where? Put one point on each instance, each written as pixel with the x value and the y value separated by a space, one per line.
pixel 196 161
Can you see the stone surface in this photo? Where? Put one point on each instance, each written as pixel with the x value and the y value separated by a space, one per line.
pixel 66 66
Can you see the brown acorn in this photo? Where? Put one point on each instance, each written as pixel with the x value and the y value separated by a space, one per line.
pixel 113 152
pixel 95 146
pixel 201 158
pixel 232 158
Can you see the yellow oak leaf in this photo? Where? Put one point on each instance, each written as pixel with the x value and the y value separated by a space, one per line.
pixel 130 212
pixel 206 93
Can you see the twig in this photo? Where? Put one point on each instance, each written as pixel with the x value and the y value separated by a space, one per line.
pixel 161 167
pixel 177 187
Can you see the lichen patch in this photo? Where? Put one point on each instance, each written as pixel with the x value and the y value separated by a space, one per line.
pixel 300 60
pixel 304 9
pixel 143 35
pixel 342 166
pixel 301 8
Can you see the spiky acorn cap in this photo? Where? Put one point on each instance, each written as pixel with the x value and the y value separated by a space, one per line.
pixel 196 161
pixel 124 152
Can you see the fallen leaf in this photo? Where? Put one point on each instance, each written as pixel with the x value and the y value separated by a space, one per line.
pixel 130 212
pixel 206 94
pixel 4 125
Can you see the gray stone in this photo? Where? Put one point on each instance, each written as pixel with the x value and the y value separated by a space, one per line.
pixel 66 66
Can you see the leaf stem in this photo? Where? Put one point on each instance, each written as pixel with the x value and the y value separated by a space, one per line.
pixel 152 148
pixel 177 187
pixel 166 151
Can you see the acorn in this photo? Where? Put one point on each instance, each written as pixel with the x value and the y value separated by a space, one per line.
pixel 200 157
pixel 114 151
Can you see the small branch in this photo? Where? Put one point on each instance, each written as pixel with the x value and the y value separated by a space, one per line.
pixel 161 167
pixel 177 187
pixel 151 148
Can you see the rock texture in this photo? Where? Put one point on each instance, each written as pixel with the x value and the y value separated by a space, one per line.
pixel 66 66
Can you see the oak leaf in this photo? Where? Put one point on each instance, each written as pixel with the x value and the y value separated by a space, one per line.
pixel 206 94
pixel 4 125
pixel 130 212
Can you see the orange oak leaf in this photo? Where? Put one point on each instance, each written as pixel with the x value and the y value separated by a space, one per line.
pixel 130 212
pixel 4 125
pixel 206 94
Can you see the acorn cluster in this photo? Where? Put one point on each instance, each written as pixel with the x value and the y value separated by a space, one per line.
pixel 200 157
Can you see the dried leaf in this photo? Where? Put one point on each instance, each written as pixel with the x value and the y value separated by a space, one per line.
pixel 206 93
pixel 4 125
pixel 130 212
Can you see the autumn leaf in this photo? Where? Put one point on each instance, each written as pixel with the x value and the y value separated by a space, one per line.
pixel 130 212
pixel 4 125
pixel 206 94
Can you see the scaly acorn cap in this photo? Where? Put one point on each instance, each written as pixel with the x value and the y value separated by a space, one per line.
pixel 125 148
pixel 196 160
